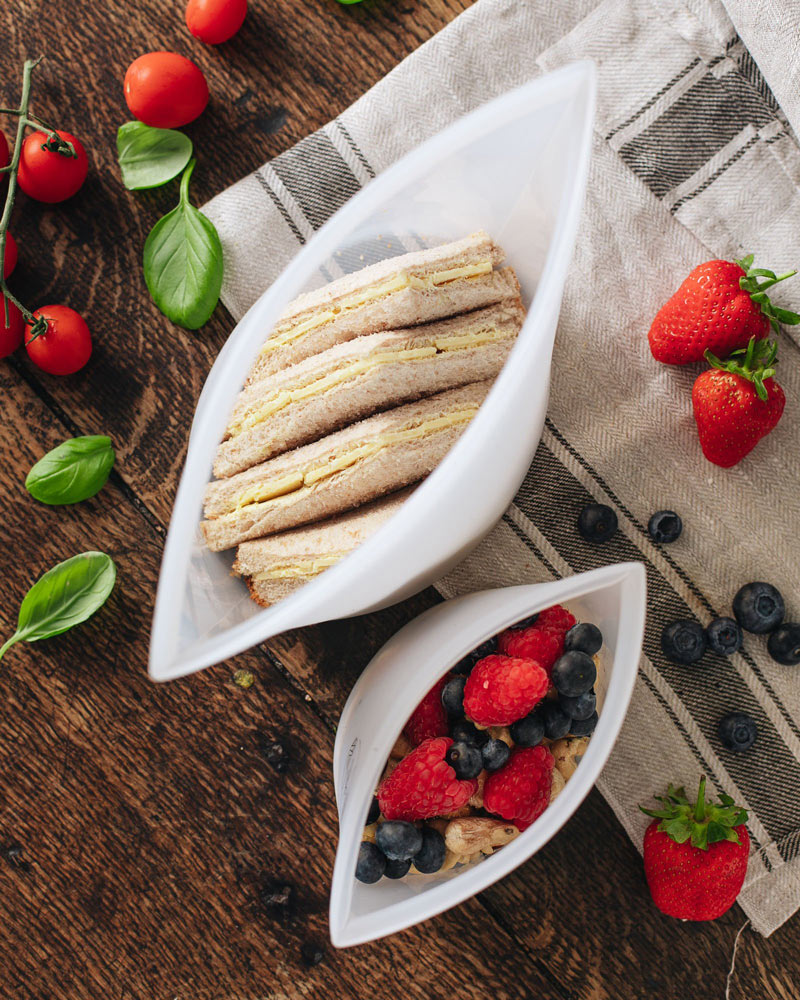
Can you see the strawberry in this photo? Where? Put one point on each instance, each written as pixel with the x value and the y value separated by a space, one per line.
pixel 502 689
pixel 531 643
pixel 737 402
pixel 429 718
pixel 423 784
pixel 719 307
pixel 520 790
pixel 695 854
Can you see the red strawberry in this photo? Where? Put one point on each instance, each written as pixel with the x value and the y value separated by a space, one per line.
pixel 429 718
pixel 695 854
pixel 737 402
pixel 520 791
pixel 719 307
pixel 423 784
pixel 502 689
pixel 531 643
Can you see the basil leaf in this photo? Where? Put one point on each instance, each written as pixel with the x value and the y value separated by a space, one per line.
pixel 149 157
pixel 65 596
pixel 74 471
pixel 183 262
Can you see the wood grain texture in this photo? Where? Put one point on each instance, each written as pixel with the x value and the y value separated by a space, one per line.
pixel 149 846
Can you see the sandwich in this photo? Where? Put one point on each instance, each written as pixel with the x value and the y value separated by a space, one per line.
pixel 351 380
pixel 401 291
pixel 344 470
pixel 276 566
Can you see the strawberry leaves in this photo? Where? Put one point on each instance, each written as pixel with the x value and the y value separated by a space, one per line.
pixel 700 822
pixel 756 363
pixel 757 291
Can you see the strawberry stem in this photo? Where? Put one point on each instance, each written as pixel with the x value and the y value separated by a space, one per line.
pixel 756 363
pixel 757 291
pixel 700 822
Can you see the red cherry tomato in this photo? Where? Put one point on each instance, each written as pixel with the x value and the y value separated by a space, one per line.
pixel 165 90
pixel 48 175
pixel 5 156
pixel 10 261
pixel 11 335
pixel 215 21
pixel 66 344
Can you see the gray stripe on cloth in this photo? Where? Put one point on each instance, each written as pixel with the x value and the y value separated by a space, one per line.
pixel 317 176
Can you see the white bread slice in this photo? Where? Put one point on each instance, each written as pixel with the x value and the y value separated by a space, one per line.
pixel 401 291
pixel 276 566
pixel 344 470
pixel 352 380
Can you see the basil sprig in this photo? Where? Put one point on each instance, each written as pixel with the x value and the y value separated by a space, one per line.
pixel 183 262
pixel 74 471
pixel 149 157
pixel 64 597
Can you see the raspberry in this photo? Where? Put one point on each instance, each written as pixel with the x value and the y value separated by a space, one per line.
pixel 429 718
pixel 531 644
pixel 424 785
pixel 501 689
pixel 555 619
pixel 520 791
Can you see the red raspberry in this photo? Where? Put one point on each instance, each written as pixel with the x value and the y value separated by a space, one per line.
pixel 520 791
pixel 501 689
pixel 429 718
pixel 555 619
pixel 531 644
pixel 423 784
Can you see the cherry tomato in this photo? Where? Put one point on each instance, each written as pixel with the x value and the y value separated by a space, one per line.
pixel 5 156
pixel 48 175
pixel 66 344
pixel 215 21
pixel 11 335
pixel 10 261
pixel 165 90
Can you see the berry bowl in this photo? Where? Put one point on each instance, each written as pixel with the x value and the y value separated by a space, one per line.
pixel 517 168
pixel 396 680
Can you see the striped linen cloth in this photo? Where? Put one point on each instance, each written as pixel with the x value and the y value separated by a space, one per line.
pixel 693 158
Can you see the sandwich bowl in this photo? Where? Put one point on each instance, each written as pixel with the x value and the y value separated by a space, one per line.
pixel 516 168
pixel 395 681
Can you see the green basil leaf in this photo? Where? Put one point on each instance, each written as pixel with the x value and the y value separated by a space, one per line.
pixel 64 597
pixel 149 157
pixel 183 262
pixel 74 471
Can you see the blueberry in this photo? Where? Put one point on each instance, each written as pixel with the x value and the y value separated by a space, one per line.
pixel 398 840
pixel 683 641
pixel 464 667
pixel 371 863
pixel 585 637
pixel 528 732
pixel 453 696
pixel 556 721
pixel 495 753
pixel 465 759
pixel 574 673
pixel 397 869
pixel 374 810
pixel 579 708
pixel 724 636
pixel 463 729
pixel 526 622
pixel 738 731
pixel 597 522
pixel 430 857
pixel 665 526
pixel 584 727
pixel 758 607
pixel 486 648
pixel 783 644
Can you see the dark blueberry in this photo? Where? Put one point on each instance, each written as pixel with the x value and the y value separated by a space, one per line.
pixel 585 637
pixel 724 636
pixel 464 667
pixel 486 648
pixel 584 727
pixel 371 863
pixel 597 522
pixel 463 729
pixel 758 607
pixel 578 708
pixel 453 696
pixel 397 869
pixel 665 526
pixel 374 810
pixel 556 721
pixel 398 840
pixel 783 644
pixel 683 641
pixel 574 673
pixel 528 732
pixel 495 753
pixel 430 857
pixel 465 759
pixel 737 731
pixel 526 622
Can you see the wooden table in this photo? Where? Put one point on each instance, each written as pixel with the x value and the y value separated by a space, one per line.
pixel 152 844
